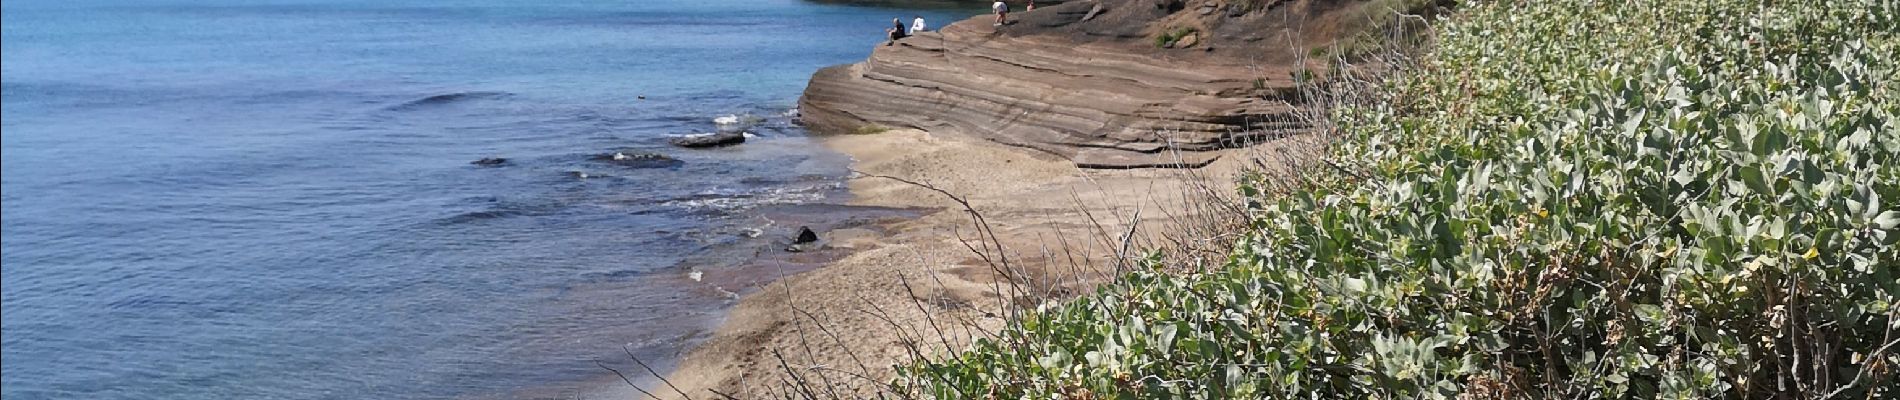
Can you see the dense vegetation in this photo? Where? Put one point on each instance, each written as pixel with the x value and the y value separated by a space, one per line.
pixel 1566 198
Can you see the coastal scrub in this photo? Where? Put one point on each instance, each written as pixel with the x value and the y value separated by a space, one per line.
pixel 1671 199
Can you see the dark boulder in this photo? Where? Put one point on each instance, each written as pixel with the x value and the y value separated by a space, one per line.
pixel 805 235
pixel 710 140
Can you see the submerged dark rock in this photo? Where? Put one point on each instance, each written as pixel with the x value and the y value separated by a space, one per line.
pixel 446 98
pixel 710 140
pixel 805 235
pixel 490 161
pixel 637 159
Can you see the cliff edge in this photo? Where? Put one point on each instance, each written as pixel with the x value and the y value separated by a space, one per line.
pixel 1103 83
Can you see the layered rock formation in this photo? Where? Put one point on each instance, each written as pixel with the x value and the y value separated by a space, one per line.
pixel 945 4
pixel 1105 83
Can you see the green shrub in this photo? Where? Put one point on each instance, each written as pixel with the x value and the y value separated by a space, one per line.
pixel 1671 199
pixel 870 129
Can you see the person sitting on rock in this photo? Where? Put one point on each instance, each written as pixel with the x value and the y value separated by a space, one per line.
pixel 917 25
pixel 895 32
pixel 1002 12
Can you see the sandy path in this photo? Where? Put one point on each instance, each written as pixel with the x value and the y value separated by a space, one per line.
pixel 844 325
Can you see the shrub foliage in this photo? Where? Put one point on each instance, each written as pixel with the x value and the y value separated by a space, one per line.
pixel 1567 198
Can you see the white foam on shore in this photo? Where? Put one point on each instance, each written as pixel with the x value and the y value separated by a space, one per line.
pixel 748 134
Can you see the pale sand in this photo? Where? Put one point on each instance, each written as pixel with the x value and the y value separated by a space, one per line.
pixel 852 318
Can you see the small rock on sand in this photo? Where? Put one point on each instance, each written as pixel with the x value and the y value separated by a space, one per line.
pixel 1094 11
pixel 805 235
pixel 1188 41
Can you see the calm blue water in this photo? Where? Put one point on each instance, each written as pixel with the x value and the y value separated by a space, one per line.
pixel 252 199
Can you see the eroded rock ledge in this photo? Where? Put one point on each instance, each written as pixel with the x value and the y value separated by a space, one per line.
pixel 1106 84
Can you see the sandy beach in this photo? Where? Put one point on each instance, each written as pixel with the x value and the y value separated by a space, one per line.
pixel 929 281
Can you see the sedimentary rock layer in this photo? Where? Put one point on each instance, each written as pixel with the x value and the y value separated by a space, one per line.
pixel 1084 80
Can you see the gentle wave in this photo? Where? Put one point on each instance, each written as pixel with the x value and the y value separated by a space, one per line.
pixel 447 99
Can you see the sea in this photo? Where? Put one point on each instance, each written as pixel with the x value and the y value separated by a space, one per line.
pixel 275 199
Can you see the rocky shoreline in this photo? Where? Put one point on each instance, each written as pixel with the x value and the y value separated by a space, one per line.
pixel 856 314
pixel 1002 117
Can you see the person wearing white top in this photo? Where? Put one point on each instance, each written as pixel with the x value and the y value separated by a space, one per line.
pixel 917 25
pixel 1002 12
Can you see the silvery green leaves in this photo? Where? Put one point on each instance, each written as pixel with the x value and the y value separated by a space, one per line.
pixel 1668 199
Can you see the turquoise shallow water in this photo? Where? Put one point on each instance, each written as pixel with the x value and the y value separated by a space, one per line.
pixel 273 199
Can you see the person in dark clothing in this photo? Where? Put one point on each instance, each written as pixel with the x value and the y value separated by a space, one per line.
pixel 895 32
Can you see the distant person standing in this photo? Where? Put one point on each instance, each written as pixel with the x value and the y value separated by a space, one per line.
pixel 1002 12
pixel 895 32
pixel 917 25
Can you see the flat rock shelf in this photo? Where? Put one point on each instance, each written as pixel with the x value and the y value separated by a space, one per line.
pixel 1088 81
